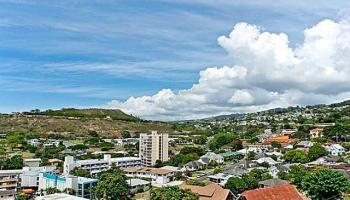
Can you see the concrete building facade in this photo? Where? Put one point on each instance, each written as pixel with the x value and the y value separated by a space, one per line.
pixel 97 165
pixel 9 184
pixel 153 147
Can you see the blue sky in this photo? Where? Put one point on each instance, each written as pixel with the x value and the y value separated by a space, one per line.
pixel 82 53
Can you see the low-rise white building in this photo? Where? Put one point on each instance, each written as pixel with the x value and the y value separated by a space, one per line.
pixel 157 175
pixel 34 162
pixel 220 178
pixel 81 185
pixel 335 149
pixel 211 157
pixel 59 196
pixel 30 175
pixel 97 165
pixel 138 185
pixel 267 160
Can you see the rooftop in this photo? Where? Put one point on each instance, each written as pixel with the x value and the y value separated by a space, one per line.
pixel 147 169
pixel 273 182
pixel 279 192
pixel 135 182
pixel 211 191
pixel 120 159
pixel 59 196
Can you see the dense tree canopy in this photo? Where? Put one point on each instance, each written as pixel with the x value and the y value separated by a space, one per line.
pixel 81 172
pixel 248 181
pixel 325 184
pixel 296 175
pixel 172 193
pixel 181 159
pixel 15 162
pixel 316 151
pixel 295 156
pixel 202 139
pixel 112 184
pixel 220 140
pixel 192 149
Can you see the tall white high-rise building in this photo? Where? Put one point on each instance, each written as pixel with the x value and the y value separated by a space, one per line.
pixel 153 147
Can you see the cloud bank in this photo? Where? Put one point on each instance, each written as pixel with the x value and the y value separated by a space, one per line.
pixel 268 73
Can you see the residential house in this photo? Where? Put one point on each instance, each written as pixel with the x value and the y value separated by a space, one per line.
pixel 277 192
pixel 304 144
pixel 171 168
pixel 220 178
pixel 211 157
pixel 316 132
pixel 193 166
pixel 267 160
pixel 229 155
pixel 211 191
pixel 138 185
pixel 157 175
pixel 272 182
pixel 335 149
pixel 284 140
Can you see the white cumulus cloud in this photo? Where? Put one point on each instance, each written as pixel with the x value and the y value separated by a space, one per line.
pixel 268 73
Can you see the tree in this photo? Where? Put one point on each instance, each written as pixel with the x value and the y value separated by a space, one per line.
pixel 248 181
pixel 79 147
pixel 274 157
pixel 296 174
pixel 236 185
pixel 52 190
pixel 316 151
pixel 21 197
pixel 192 149
pixel 295 156
pixel 81 172
pixel 158 164
pixel 178 176
pixel 200 140
pixel 325 184
pixel 251 155
pixel 112 184
pixel 260 174
pixel 15 139
pixel 275 144
pixel 283 175
pixel 218 170
pixel 15 162
pixel 172 193
pixel 126 134
pixel 220 140
pixel 180 159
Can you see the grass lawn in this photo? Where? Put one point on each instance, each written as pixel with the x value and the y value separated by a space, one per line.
pixel 142 196
pixel 27 154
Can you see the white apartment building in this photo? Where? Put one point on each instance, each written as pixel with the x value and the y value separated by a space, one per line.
pixel 9 184
pixel 157 175
pixel 30 175
pixel 81 185
pixel 97 165
pixel 153 147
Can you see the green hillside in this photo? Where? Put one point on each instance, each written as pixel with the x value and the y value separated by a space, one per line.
pixel 91 113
